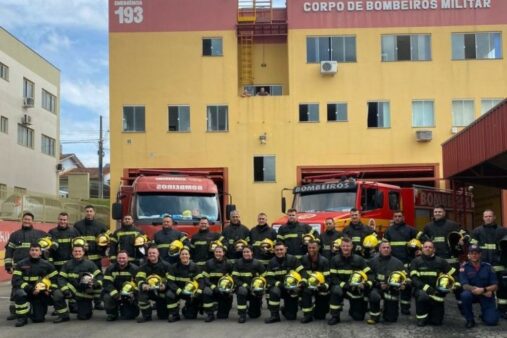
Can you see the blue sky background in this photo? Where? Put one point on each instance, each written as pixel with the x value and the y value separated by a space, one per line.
pixel 72 35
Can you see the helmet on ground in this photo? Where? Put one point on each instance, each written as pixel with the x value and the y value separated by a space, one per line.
pixel 445 283
pixel 316 279
pixel 396 279
pixel 291 280
pixel 175 248
pixel 370 241
pixel 128 289
pixel 45 243
pixel 240 244
pixel 225 284
pixel 154 281
pixel 86 279
pixel 140 240
pixel 190 288
pixel 357 278
pixel 43 285
pixel 307 238
pixel 336 245
pixel 258 285
pixel 102 239
pixel 213 245
pixel 267 246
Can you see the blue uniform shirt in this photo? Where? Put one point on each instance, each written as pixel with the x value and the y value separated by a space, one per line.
pixel 483 277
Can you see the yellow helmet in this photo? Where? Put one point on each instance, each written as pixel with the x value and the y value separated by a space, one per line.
pixel 186 214
pixel 267 246
pixel 258 285
pixel 79 241
pixel 370 241
pixel 140 240
pixel 213 245
pixel 336 245
pixel 240 244
pixel 307 238
pixel 43 285
pixel 316 279
pixel 414 244
pixel 45 243
pixel 190 288
pixel 397 278
pixel 292 280
pixel 154 281
pixel 357 278
pixel 102 239
pixel 225 284
pixel 445 283
pixel 175 248
pixel 128 289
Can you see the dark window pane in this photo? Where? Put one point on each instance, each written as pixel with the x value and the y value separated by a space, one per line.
pixel 373 115
pixel 303 112
pixel 324 49
pixel 311 50
pixel 470 46
pixel 206 47
pixel 173 118
pixel 258 169
pixel 338 52
pixel 350 49
pixel 331 112
pixel 403 45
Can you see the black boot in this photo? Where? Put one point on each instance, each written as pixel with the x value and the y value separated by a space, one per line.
pixel 210 317
pixel 111 318
pixel 61 320
pixel 335 319
pixel 144 319
pixel 274 318
pixel 470 324
pixel 173 318
pixel 242 318
pixel 12 313
pixel 21 321
pixel 99 305
pixel 306 319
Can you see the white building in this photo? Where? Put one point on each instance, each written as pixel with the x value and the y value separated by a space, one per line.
pixel 29 119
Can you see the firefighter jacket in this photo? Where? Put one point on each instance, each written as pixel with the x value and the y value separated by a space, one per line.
pixel 231 234
pixel 214 270
pixel 487 238
pixel 164 237
pixel 321 264
pixel 19 242
pixel 123 239
pixel 245 270
pixel 424 272
pixel 438 232
pixel 292 235
pixel 342 267
pixel 72 272
pixel 382 266
pixel 257 235
pixel 89 230
pixel 200 245
pixel 160 268
pixel 326 240
pixel 279 267
pixel 29 271
pixel 180 274
pixel 115 276
pixel 357 232
pixel 398 236
pixel 61 250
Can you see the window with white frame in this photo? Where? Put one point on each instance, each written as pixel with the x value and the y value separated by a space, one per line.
pixel 25 136
pixel 4 125
pixel 264 169
pixel 423 114
pixel 48 101
pixel 28 88
pixel 487 104
pixel 3 191
pixel 413 47
pixel 133 118
pixel 218 118
pixel 379 115
pixel 462 112
pixel 336 112
pixel 309 112
pixel 4 72
pixel 330 48
pixel 212 47
pixel 470 46
pixel 48 145
pixel 179 118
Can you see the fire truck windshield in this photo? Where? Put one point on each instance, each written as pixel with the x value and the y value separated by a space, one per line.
pixel 325 201
pixel 180 207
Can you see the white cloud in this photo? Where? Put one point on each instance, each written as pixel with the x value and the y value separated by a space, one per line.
pixel 56 42
pixel 84 93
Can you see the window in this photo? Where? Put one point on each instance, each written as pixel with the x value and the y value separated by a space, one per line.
pixel 331 48
pixel 423 113
pixel 469 46
pixel 28 88
pixel 336 112
pixel 371 199
pixel 379 115
pixel 179 118
pixel 4 125
pixel 48 101
pixel 133 118
pixel 212 47
pixel 3 191
pixel 394 200
pixel 406 47
pixel 218 118
pixel 487 104
pixel 4 72
pixel 273 90
pixel 25 136
pixel 462 112
pixel 309 112
pixel 48 145
pixel 264 169
pixel 19 190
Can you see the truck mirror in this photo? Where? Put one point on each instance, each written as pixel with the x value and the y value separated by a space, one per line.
pixel 284 204
pixel 228 209
pixel 116 211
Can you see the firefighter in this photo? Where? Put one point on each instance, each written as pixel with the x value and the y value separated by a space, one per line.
pixel 357 231
pixel 61 237
pixel 487 236
pixel 328 237
pixel 200 243
pixel 167 235
pixel 33 280
pixel 425 271
pixel 399 234
pixel 258 234
pixel 479 285
pixel 120 294
pixel 90 228
pixel 233 233
pixel 319 279
pixel 342 266
pixel 151 282
pixel 291 234
pixel 184 281
pixel 244 272
pixel 17 248
pixel 215 298
pixel 81 280
pixel 382 266
pixel 279 267
pixel 124 239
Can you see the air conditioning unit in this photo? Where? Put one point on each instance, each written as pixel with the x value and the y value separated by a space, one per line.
pixel 26 119
pixel 328 67
pixel 28 102
pixel 454 130
pixel 423 135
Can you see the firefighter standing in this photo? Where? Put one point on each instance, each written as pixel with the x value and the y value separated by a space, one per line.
pixel 328 237
pixel 201 243
pixel 258 234
pixel 291 234
pixel 215 299
pixel 233 233
pixel 167 235
pixel 357 231
pixel 119 288
pixel 62 236
pixel 124 239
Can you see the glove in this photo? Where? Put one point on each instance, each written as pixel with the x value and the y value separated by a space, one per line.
pixel 8 268
pixel 430 291
pixel 358 248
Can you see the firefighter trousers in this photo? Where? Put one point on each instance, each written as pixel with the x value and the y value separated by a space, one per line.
pixel 390 311
pixel 248 303
pixel 290 302
pixel 190 309
pixel 144 303
pixel 29 305
pixel 501 292
pixel 127 307
pixel 320 308
pixel 214 300
pixel 489 314
pixel 406 297
pixel 358 305
pixel 429 309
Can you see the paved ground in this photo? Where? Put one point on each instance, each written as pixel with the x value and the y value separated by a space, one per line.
pixel 98 327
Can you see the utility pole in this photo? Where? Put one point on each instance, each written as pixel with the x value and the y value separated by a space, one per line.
pixel 101 155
